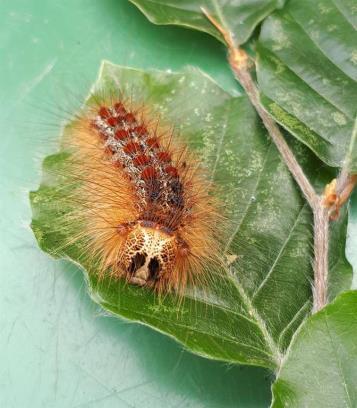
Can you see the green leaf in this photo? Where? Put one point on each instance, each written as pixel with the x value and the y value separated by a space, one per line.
pixel 307 71
pixel 240 18
pixel 320 368
pixel 249 313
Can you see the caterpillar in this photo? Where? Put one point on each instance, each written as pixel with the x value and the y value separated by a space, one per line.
pixel 143 204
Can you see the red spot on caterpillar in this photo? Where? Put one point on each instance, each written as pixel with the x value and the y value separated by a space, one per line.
pixel 104 112
pixel 148 173
pixel 119 109
pixel 153 142
pixel 172 171
pixel 112 121
pixel 140 130
pixel 132 147
pixel 164 156
pixel 129 119
pixel 141 160
pixel 121 134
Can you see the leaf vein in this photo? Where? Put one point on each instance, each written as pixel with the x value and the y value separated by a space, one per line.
pixel 230 240
pixel 323 52
pixel 264 281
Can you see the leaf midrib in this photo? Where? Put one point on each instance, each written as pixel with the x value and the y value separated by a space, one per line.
pixel 193 329
pixel 249 204
pixel 282 333
pixel 275 351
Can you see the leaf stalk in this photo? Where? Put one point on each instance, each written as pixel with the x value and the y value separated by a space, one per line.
pixel 240 64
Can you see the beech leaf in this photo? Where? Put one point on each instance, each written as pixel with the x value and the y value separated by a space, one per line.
pixel 307 72
pixel 240 17
pixel 320 368
pixel 251 312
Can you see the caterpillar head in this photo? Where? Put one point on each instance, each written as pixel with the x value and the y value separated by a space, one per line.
pixel 149 254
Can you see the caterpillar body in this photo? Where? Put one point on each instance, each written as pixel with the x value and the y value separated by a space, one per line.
pixel 144 206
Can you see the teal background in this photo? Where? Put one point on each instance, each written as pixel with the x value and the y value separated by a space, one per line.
pixel 57 348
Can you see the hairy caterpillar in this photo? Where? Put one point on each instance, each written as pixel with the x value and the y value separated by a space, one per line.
pixel 142 203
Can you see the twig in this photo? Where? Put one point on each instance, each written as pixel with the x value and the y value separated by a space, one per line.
pixel 239 62
pixel 335 196
pixel 321 245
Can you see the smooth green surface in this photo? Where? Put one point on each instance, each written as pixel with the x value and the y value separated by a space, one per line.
pixel 57 347
pixel 249 314
pixel 320 369
pixel 239 16
pixel 307 72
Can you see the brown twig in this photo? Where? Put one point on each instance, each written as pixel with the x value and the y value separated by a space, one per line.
pixel 239 62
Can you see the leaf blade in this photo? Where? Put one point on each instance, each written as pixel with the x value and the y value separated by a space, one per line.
pixel 239 18
pixel 307 75
pixel 225 322
pixel 320 368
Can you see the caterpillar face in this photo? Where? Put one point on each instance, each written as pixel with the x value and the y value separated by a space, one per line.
pixel 149 254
